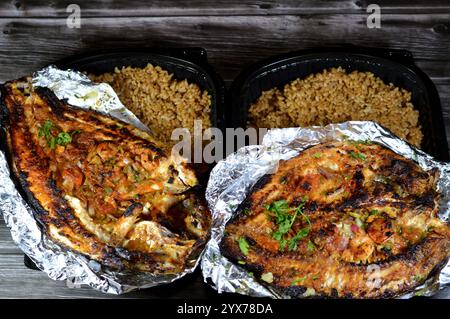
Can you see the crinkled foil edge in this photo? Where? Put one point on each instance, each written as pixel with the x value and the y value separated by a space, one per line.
pixel 232 179
pixel 59 263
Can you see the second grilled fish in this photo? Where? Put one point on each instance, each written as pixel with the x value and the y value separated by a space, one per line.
pixel 342 219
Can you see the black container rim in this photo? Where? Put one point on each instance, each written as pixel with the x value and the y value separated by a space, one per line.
pixel 194 56
pixel 400 56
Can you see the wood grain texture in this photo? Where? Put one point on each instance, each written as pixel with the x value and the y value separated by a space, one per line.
pixel 235 34
pixel 231 42
pixel 17 281
pixel 443 87
pixel 122 8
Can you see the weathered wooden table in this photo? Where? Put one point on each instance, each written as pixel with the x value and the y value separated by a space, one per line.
pixel 235 34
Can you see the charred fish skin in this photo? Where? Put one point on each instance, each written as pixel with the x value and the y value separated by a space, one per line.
pixel 345 219
pixel 99 186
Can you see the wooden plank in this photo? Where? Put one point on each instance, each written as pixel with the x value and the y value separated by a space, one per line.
pixel 232 42
pixel 41 8
pixel 20 282
pixel 101 8
pixel 7 245
pixel 17 281
pixel 443 87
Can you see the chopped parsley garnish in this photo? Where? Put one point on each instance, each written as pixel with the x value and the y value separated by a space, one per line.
pixel 243 245
pixel 108 190
pixel 46 130
pixel 300 280
pixel 75 132
pixel 374 212
pixel 284 219
pixel 136 176
pixel 283 242
pixel 52 143
pixel 241 262
pixel 301 234
pixel 63 138
pixel 317 155
pixel 280 208
pixel 358 156
pixel 311 246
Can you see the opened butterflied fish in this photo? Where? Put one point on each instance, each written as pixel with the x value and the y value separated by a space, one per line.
pixel 341 219
pixel 101 187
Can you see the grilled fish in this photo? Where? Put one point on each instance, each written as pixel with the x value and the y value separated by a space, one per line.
pixel 101 187
pixel 341 219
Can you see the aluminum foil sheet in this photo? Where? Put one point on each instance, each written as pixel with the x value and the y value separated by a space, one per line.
pixel 79 91
pixel 57 262
pixel 232 179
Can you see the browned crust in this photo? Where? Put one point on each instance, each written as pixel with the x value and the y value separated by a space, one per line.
pixel 401 271
pixel 30 170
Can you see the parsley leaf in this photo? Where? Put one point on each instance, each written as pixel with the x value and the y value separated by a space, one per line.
pixel 75 132
pixel 311 246
pixel 283 243
pixel 243 245
pixel 374 212
pixel 301 234
pixel 280 208
pixel 46 129
pixel 63 138
pixel 358 155
pixel 300 280
pixel 285 220
pixel 52 143
pixel 136 176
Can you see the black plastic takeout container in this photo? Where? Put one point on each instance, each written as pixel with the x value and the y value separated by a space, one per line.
pixel 392 66
pixel 184 63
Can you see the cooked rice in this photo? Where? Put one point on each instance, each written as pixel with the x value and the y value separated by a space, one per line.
pixel 335 96
pixel 159 101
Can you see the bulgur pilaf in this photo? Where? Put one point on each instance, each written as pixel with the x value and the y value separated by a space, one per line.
pixel 335 96
pixel 159 101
